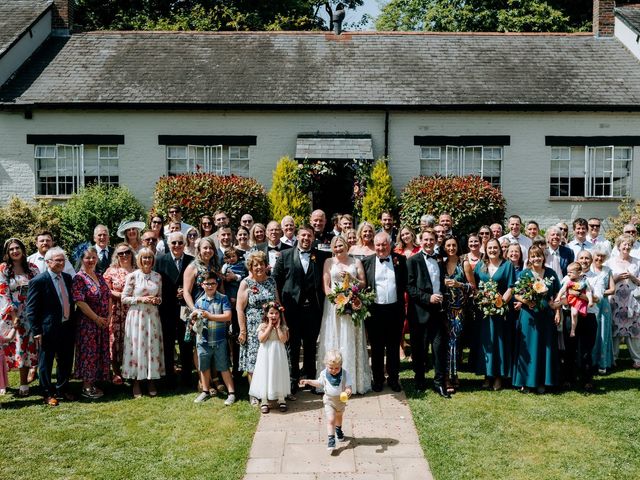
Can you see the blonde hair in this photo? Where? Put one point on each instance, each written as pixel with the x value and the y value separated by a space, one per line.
pixel 333 357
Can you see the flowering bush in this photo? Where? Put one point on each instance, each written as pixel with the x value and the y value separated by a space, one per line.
pixel 203 193
pixel 379 195
pixel 471 201
pixel 24 220
pixel 286 197
pixel 350 299
pixel 628 212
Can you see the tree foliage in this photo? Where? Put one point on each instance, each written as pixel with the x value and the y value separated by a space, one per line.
pixel 285 195
pixel 628 212
pixel 483 16
pixel 205 15
pixel 379 195
pixel 23 220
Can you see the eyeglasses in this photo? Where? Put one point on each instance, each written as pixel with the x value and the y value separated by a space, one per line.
pixel 124 254
pixel 484 233
pixel 157 221
pixel 563 229
pixel 173 211
pixel 594 226
pixel 206 224
pixel 631 232
pixel 150 240
pixel 192 235
pixel 209 284
pixel 180 242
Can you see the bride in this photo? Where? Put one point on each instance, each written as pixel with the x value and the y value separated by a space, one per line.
pixel 338 331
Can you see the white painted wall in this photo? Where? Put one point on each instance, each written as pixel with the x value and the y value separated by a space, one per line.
pixel 525 176
pixel 627 36
pixel 25 47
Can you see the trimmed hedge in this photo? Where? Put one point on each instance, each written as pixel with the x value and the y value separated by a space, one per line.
pixel 471 201
pixel 203 193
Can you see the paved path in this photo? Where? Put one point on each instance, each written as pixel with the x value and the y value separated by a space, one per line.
pixel 382 442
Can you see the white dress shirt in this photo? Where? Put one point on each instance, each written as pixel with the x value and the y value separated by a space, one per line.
pixel 434 273
pixel 385 278
pixel 38 261
pixel 578 246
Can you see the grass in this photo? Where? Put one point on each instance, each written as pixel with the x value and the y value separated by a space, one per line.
pixel 118 437
pixel 508 435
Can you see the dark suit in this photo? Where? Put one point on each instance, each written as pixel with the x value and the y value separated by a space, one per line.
pixel 102 265
pixel 45 313
pixel 426 321
pixel 384 327
pixel 566 257
pixel 172 325
pixel 264 247
pixel 302 295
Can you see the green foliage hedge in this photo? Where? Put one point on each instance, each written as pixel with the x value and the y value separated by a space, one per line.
pixel 24 220
pixel 203 193
pixel 472 201
pixel 285 195
pixel 379 195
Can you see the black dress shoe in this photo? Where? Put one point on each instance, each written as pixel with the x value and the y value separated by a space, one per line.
pixel 420 385
pixel 294 387
pixel 395 386
pixel 376 387
pixel 440 390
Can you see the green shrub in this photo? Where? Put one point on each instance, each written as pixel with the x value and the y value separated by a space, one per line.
pixel 203 193
pixel 285 196
pixel 471 201
pixel 628 212
pixel 94 205
pixel 379 195
pixel 24 220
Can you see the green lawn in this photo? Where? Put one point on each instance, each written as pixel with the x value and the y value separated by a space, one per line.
pixel 118 437
pixel 508 435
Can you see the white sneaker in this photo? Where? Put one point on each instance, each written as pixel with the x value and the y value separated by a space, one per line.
pixel 202 397
pixel 231 399
pixel 3 391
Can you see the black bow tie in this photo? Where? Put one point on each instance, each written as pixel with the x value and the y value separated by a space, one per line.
pixel 431 255
pixel 271 248
pixel 304 252
pixel 382 260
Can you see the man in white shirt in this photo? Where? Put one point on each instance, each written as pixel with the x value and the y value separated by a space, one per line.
pixel 246 221
pixel 557 257
pixel 514 235
pixel 593 234
pixel 175 215
pixel 579 241
pixel 44 241
pixel 288 225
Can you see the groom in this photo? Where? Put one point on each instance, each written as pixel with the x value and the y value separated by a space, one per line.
pixel 386 274
pixel 298 274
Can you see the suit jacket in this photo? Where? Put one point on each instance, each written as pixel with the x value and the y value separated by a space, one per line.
pixel 44 308
pixel 264 247
pixel 290 277
pixel 420 289
pixel 399 266
pixel 101 267
pixel 171 280
pixel 566 257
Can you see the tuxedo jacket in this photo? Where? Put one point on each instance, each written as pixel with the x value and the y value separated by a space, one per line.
pixel 44 309
pixel 171 280
pixel 264 247
pixel 370 264
pixel 291 279
pixel 420 289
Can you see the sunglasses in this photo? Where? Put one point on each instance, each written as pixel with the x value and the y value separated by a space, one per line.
pixel 209 284
pixel 124 254
pixel 594 226
pixel 563 229
pixel 206 224
pixel 157 222
pixel 484 233
pixel 150 240
pixel 173 211
pixel 177 243
pixel 631 232
pixel 192 235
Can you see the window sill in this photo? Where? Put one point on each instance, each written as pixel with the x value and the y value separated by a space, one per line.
pixel 586 199
pixel 52 197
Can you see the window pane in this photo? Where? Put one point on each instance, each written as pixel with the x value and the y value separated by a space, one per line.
pixel 175 152
pixel 239 153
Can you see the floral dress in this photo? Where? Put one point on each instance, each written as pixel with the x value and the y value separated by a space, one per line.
pixel 21 351
pixel 259 293
pixel 625 309
pixel 115 278
pixel 455 300
pixel 92 342
pixel 143 356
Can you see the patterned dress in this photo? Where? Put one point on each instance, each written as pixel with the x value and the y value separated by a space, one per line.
pixel 602 355
pixel 143 357
pixel 259 293
pixel 21 351
pixel 625 309
pixel 115 278
pixel 92 342
pixel 455 300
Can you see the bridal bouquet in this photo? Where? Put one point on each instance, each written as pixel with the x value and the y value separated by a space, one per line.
pixel 489 299
pixel 532 289
pixel 350 299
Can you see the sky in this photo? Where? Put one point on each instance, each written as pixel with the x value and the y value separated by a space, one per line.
pixel 371 7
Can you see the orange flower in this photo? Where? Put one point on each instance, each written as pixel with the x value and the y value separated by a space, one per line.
pixel 356 303
pixel 539 286
pixel 498 301
pixel 341 299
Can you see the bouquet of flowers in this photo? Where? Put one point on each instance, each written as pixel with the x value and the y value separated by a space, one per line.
pixel 350 299
pixel 489 299
pixel 532 289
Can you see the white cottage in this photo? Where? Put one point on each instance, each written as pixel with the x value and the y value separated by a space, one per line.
pixel 552 119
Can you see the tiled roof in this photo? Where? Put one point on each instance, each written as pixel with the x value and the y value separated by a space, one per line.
pixel 16 16
pixel 631 17
pixel 313 68
pixel 333 147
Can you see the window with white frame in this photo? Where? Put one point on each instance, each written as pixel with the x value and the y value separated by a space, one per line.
pixel 62 169
pixel 603 171
pixel 483 161
pixel 218 159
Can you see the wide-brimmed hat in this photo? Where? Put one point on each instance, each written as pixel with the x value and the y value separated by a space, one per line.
pixel 127 224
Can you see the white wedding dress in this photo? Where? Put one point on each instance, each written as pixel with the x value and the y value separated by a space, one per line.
pixel 338 332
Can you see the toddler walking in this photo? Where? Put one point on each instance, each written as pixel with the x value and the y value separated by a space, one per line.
pixel 575 281
pixel 335 382
pixel 271 374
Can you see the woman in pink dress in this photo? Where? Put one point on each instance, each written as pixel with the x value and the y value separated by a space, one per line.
pixel 122 264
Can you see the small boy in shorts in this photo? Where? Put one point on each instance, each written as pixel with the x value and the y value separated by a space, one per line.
pixel 209 320
pixel 335 382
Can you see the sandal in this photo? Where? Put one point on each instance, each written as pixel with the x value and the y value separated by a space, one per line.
pixel 264 408
pixel 283 407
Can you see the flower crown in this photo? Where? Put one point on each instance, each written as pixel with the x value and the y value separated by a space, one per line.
pixel 272 304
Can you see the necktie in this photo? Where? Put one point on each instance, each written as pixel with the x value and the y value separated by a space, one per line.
pixel 555 263
pixel 178 263
pixel 103 256
pixel 66 308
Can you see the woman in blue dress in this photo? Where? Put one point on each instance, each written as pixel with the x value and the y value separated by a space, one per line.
pixel 604 287
pixel 458 283
pixel 495 331
pixel 536 357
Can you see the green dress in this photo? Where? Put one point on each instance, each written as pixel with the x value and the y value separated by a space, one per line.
pixel 495 333
pixel 536 357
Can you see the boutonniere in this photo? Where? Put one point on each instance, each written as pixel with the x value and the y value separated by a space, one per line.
pixel 312 257
pixel 395 261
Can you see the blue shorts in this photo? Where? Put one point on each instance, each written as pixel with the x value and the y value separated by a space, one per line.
pixel 216 352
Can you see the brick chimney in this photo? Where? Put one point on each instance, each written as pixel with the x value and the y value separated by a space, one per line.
pixel 62 23
pixel 603 18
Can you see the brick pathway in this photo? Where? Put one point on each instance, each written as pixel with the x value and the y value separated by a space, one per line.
pixel 382 442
